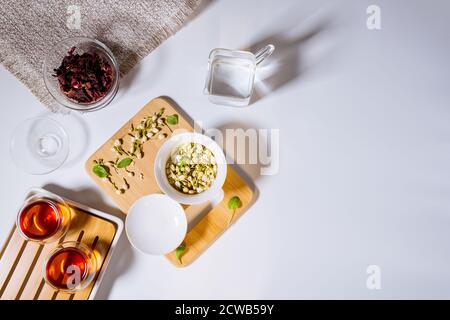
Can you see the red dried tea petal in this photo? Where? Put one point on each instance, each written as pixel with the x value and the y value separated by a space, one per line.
pixel 84 78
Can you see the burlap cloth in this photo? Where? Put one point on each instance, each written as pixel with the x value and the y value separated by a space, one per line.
pixel 130 28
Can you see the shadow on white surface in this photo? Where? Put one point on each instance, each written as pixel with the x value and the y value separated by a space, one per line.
pixel 88 196
pixel 121 259
pixel 286 64
pixel 250 172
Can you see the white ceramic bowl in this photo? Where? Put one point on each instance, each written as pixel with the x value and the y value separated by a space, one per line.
pixel 156 224
pixel 164 154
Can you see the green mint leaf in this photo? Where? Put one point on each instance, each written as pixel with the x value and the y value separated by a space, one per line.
pixel 234 203
pixel 125 162
pixel 172 120
pixel 100 171
pixel 180 251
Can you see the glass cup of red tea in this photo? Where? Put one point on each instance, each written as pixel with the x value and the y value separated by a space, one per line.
pixel 70 267
pixel 43 218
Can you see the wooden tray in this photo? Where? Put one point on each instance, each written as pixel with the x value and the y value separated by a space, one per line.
pixel 21 262
pixel 212 224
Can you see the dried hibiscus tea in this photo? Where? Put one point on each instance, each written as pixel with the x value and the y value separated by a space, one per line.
pixel 84 78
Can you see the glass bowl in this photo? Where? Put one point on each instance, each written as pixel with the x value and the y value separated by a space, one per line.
pixel 54 59
pixel 43 218
pixel 70 267
pixel 39 145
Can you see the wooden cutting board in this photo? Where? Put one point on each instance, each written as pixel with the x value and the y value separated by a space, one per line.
pixel 212 224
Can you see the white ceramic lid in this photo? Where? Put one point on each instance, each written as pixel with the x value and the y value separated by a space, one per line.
pixel 156 224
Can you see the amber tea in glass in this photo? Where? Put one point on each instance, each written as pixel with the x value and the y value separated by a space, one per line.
pixel 43 218
pixel 70 267
pixel 39 220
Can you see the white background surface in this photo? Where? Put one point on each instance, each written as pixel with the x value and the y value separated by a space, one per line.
pixel 364 175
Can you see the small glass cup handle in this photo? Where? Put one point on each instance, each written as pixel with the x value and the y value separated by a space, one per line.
pixel 264 53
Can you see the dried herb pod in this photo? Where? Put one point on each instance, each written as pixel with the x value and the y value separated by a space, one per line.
pixel 131 147
pixel 191 169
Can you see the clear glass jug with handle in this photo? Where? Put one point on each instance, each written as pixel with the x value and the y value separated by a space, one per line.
pixel 231 75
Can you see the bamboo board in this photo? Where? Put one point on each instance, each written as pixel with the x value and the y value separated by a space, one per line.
pixel 213 224
pixel 22 262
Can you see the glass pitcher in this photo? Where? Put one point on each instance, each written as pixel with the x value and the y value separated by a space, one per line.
pixel 231 75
